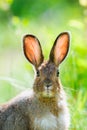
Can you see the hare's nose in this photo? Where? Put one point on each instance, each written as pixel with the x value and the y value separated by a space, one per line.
pixel 48 83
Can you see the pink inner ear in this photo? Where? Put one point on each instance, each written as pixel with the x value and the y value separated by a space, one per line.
pixel 32 50
pixel 61 48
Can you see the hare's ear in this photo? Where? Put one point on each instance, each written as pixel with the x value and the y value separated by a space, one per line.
pixel 60 48
pixel 32 50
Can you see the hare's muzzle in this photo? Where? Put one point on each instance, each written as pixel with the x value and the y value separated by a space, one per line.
pixel 47 84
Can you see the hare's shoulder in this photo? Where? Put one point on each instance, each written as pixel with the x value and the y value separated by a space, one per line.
pixel 23 98
pixel 13 113
pixel 20 102
pixel 28 94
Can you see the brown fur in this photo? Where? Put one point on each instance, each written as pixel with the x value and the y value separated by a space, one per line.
pixel 44 107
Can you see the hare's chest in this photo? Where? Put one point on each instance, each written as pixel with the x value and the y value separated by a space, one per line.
pixel 46 122
pixel 51 122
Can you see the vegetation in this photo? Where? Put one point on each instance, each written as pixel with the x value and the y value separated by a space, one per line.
pixel 45 19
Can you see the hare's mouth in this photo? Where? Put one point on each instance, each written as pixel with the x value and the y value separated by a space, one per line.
pixel 48 93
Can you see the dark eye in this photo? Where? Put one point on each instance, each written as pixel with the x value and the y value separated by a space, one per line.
pixel 38 73
pixel 57 73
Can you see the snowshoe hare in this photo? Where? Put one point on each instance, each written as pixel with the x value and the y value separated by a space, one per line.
pixel 44 107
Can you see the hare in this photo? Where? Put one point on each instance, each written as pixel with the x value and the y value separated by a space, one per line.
pixel 44 107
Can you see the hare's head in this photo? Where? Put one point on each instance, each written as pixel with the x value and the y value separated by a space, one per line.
pixel 46 82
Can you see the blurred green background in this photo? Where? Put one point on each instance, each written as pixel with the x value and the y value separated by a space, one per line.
pixel 45 19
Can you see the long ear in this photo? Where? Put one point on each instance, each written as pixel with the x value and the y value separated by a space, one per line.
pixel 60 48
pixel 32 50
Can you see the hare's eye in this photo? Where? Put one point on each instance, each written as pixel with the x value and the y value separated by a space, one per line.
pixel 57 73
pixel 38 73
